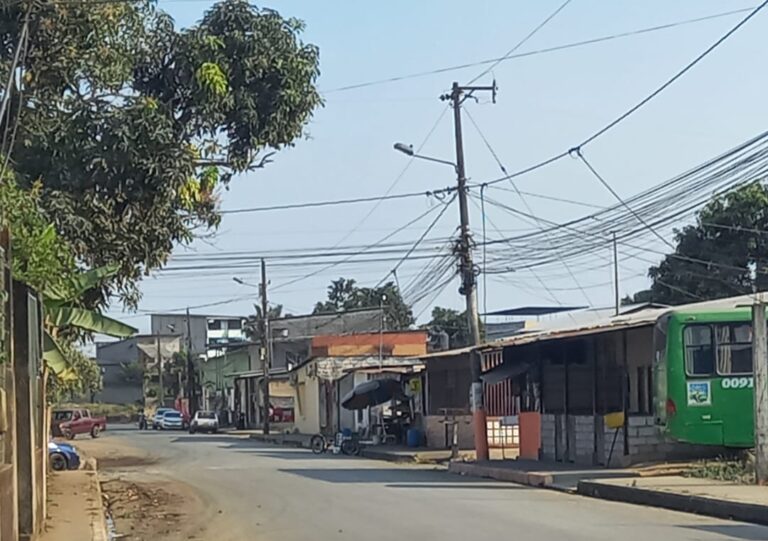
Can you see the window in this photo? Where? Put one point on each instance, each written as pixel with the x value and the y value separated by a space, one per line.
pixel 699 350
pixel 234 324
pixel 725 348
pixel 734 348
pixel 214 324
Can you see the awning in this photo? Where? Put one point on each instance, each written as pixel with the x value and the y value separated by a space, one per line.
pixel 503 371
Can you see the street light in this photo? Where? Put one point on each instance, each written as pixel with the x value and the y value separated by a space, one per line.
pixel 243 282
pixel 408 151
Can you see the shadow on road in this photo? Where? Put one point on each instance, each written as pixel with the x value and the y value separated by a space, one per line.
pixel 749 532
pixel 389 476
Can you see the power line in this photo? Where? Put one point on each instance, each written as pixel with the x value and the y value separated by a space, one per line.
pixel 522 42
pixel 419 240
pixel 637 106
pixel 615 194
pixel 387 237
pixel 335 202
pixel 525 201
pixel 546 50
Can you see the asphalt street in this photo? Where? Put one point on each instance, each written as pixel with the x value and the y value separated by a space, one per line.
pixel 260 492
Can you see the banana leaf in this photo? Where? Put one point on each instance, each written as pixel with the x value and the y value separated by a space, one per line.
pixel 88 320
pixel 81 283
pixel 53 356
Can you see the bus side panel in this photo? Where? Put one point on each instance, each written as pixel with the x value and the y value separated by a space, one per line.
pixel 731 395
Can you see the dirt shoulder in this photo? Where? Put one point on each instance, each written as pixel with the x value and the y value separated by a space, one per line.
pixel 145 505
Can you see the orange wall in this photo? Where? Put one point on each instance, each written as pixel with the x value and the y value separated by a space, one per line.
pixel 397 344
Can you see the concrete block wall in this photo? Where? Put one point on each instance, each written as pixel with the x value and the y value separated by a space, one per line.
pixel 584 439
pixel 434 427
pixel 548 436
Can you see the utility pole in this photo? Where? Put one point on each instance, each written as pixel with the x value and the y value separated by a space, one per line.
pixel 190 371
pixel 159 359
pixel 615 274
pixel 760 368
pixel 467 269
pixel 265 349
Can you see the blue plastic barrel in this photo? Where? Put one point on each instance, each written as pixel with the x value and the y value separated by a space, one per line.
pixel 413 437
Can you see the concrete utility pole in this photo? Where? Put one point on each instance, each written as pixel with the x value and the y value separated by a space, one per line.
pixel 159 359
pixel 265 349
pixel 617 302
pixel 760 368
pixel 467 268
pixel 191 402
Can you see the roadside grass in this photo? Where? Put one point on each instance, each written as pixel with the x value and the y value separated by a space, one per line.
pixel 735 470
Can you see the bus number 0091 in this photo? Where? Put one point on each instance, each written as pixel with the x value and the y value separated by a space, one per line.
pixel 738 383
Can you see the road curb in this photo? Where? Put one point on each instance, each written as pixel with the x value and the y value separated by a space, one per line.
pixel 533 479
pixel 280 439
pixel 389 457
pixel 98 518
pixel 699 505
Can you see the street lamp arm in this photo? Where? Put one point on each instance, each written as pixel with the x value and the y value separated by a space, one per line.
pixel 436 160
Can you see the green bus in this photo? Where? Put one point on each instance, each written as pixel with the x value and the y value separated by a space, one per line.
pixel 703 376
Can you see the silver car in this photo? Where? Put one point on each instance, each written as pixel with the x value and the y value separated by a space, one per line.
pixel 204 421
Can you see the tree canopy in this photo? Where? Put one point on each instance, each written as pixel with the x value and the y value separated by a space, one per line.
pixel 344 294
pixel 725 253
pixel 130 126
pixel 454 323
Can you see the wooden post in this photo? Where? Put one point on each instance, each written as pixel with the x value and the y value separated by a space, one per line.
pixel 760 367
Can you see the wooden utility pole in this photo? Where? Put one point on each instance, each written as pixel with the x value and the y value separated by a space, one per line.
pixel 760 368
pixel 266 350
pixel 467 269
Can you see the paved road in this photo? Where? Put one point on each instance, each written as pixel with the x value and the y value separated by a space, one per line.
pixel 276 494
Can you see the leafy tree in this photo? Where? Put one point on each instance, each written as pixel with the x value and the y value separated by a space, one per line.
pixel 131 126
pixel 252 327
pixel 725 253
pixel 344 294
pixel 454 323
pixel 86 383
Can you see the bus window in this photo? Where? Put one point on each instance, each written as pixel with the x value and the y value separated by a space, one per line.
pixel 699 350
pixel 734 348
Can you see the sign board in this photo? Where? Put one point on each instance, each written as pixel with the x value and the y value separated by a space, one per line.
pixel 699 393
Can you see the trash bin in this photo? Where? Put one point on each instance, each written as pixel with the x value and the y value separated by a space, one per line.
pixel 413 437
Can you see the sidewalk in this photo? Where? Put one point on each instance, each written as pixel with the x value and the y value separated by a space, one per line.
pixel 565 477
pixel 719 499
pixel 75 509
pixel 291 440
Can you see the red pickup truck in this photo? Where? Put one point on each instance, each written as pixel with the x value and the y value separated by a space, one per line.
pixel 71 422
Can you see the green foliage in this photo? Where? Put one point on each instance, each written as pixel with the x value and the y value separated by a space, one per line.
pixel 725 469
pixel 130 125
pixel 39 257
pixel 131 372
pixel 724 254
pixel 344 294
pixel 453 323
pixel 85 383
pixel 252 327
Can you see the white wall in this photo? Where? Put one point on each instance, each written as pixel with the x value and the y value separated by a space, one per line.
pixel 306 403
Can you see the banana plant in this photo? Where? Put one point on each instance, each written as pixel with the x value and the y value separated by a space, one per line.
pixel 61 310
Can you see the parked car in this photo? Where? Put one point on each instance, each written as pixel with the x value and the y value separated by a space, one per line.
pixel 63 456
pixel 204 421
pixel 159 412
pixel 172 420
pixel 71 422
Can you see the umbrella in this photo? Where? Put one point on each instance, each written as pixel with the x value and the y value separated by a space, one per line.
pixel 372 393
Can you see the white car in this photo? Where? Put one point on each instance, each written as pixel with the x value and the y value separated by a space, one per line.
pixel 159 417
pixel 172 420
pixel 204 421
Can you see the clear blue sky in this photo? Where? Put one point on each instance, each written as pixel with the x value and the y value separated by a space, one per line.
pixel 546 104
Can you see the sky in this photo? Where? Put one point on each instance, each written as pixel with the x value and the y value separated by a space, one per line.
pixel 545 104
